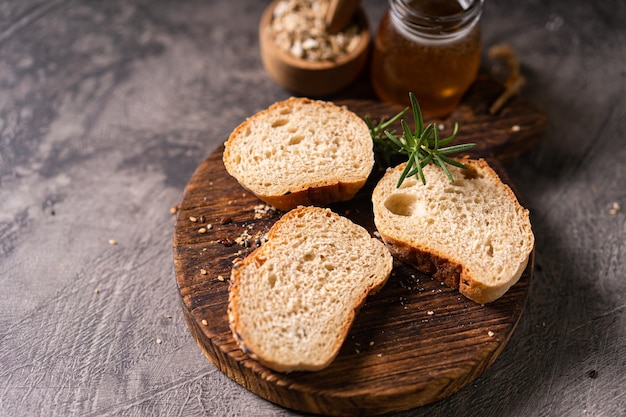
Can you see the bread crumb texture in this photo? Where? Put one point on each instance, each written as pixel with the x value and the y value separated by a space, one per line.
pixel 292 301
pixel 475 223
pixel 299 144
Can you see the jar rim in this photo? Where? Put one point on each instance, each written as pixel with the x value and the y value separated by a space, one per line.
pixel 470 7
pixel 435 26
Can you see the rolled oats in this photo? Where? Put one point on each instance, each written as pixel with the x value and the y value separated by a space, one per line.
pixel 299 28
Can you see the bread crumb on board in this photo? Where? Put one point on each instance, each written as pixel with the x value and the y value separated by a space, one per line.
pixel 243 239
pixel 261 209
pixel 615 208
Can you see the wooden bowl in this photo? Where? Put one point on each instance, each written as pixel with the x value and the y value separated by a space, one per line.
pixel 312 78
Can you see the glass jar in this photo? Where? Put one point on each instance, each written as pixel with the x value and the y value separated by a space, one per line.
pixel 429 47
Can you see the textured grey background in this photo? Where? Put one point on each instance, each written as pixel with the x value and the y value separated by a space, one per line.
pixel 107 107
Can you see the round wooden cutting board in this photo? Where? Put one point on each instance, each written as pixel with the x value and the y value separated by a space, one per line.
pixel 414 342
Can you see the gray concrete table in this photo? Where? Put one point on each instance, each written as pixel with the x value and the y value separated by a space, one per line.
pixel 106 109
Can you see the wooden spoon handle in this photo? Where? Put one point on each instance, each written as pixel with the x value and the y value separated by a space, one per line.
pixel 339 14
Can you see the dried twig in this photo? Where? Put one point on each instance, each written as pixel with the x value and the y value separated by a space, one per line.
pixel 515 80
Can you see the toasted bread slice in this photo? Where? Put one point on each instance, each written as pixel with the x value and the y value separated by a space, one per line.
pixel 301 152
pixel 293 300
pixel 471 234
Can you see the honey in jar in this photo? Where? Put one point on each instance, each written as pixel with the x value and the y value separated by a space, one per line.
pixel 429 47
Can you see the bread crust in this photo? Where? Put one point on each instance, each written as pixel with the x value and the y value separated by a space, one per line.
pixel 449 271
pixel 315 195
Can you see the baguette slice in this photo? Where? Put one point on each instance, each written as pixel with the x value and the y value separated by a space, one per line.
pixel 471 234
pixel 301 152
pixel 293 300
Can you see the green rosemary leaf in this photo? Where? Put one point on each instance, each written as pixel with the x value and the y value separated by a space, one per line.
pixel 435 138
pixel 419 175
pixel 394 118
pixel 451 161
pixel 427 160
pixel 429 131
pixel 417 114
pixel 443 142
pixel 457 148
pixel 418 172
pixel 420 146
pixel 444 167
pixel 406 170
pixel 395 140
pixel 376 131
pixel 409 139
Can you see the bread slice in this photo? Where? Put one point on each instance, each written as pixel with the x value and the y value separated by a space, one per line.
pixel 301 152
pixel 292 301
pixel 471 234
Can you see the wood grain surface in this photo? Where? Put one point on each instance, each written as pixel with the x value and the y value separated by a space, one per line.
pixel 413 343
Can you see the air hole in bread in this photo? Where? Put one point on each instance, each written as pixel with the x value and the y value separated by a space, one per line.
pixel 471 173
pixel 309 256
pixel 296 139
pixel 455 187
pixel 490 249
pixel 285 110
pixel 280 122
pixel 301 333
pixel 403 204
pixel 499 271
pixel 411 182
pixel 260 261
pixel 271 280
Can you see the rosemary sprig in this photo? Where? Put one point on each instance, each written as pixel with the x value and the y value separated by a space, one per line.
pixel 384 149
pixel 422 147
